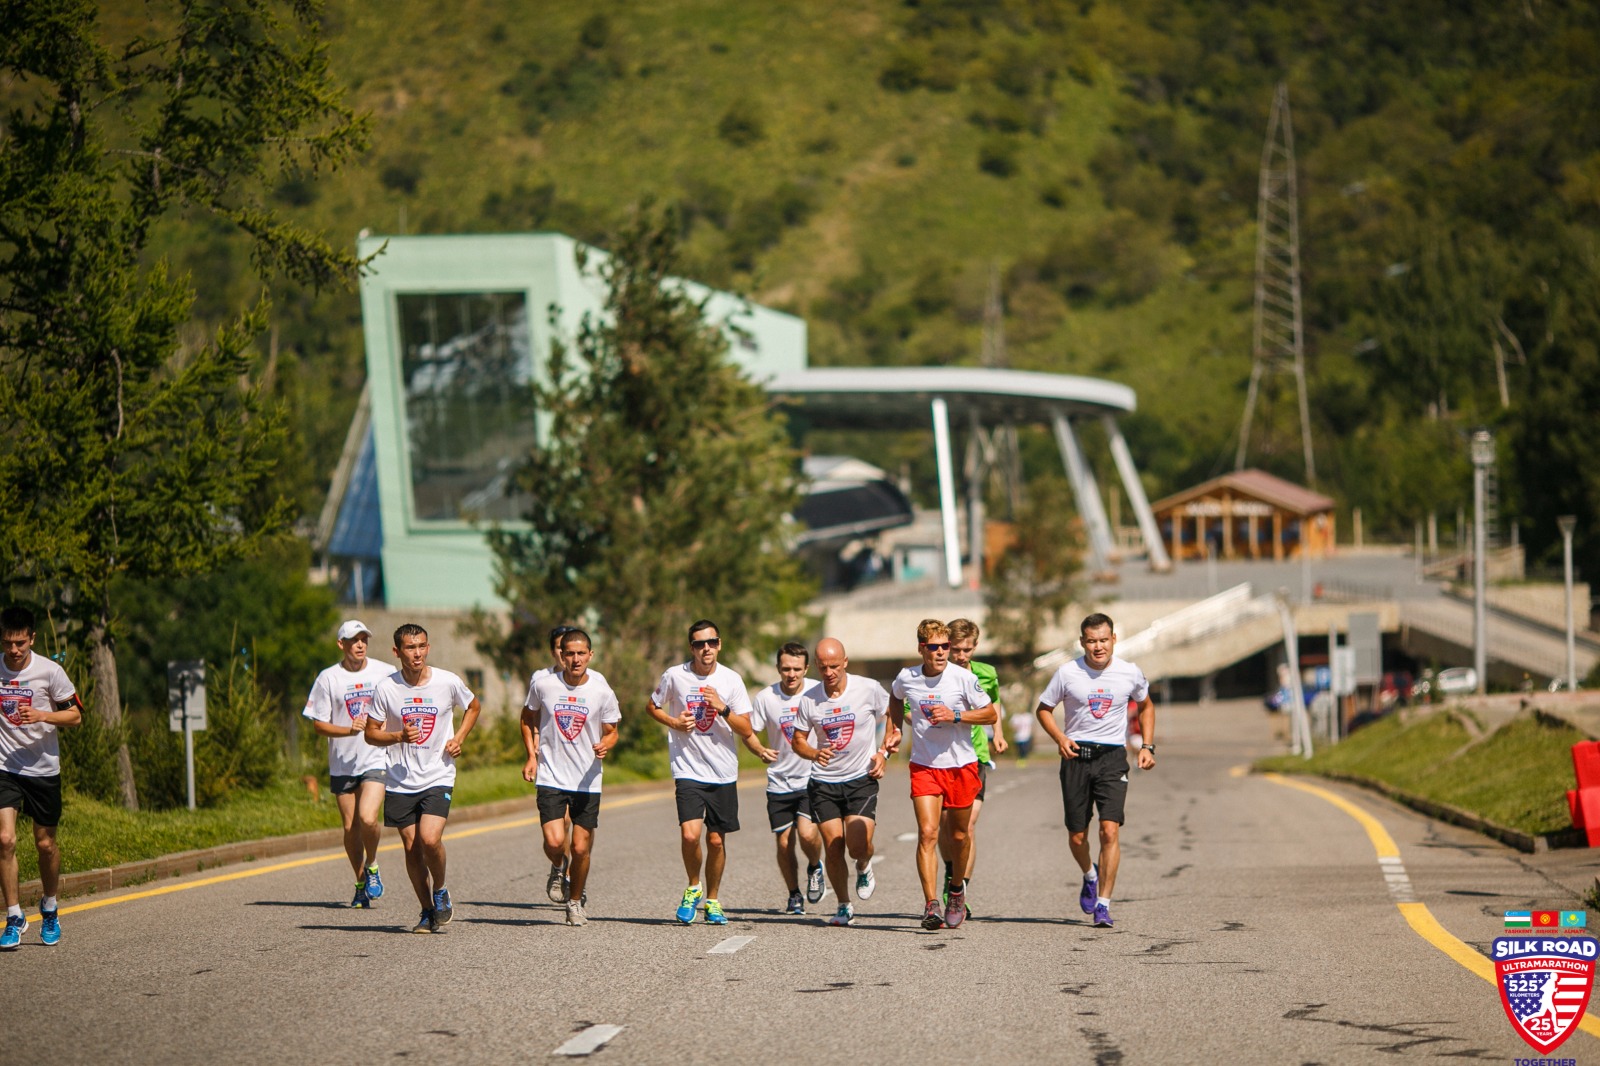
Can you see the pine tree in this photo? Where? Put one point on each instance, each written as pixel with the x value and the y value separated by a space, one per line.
pixel 128 450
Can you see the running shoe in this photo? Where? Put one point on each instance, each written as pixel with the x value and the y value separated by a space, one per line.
pixel 815 886
pixel 714 915
pixel 50 928
pixel 1090 891
pixel 955 911
pixel 443 909
pixel 425 924
pixel 374 882
pixel 1102 915
pixel 566 887
pixel 555 886
pixel 363 897
pixel 11 939
pixel 575 915
pixel 866 883
pixel 691 899
pixel 845 915
pixel 796 904
pixel 931 918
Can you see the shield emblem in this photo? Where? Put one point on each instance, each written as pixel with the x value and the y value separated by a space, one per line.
pixel 786 726
pixel 11 707
pixel 839 731
pixel 570 718
pixel 1100 704
pixel 357 704
pixel 422 719
pixel 704 714
pixel 927 706
pixel 1544 985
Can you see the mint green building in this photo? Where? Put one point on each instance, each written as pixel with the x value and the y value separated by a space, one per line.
pixel 458 330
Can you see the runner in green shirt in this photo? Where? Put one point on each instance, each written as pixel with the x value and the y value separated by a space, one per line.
pixel 963 642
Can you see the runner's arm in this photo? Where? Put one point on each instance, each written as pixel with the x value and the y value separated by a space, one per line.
pixel 1000 744
pixel 529 725
pixel 381 737
pixel 328 729
pixel 68 712
pixel 683 723
pixel 1047 721
pixel 740 724
pixel 468 720
pixel 1147 730
pixel 608 740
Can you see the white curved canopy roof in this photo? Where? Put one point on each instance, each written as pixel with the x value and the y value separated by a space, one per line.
pixel 904 393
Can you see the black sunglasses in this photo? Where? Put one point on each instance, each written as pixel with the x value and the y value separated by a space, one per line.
pixel 710 643
pixel 937 647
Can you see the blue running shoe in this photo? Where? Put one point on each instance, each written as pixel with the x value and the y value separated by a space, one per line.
pixel 443 909
pixel 426 924
pixel 374 882
pixel 1102 916
pixel 11 939
pixel 362 900
pixel 691 901
pixel 714 915
pixel 49 928
pixel 1090 891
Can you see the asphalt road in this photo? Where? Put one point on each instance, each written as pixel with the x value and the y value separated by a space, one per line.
pixel 1254 924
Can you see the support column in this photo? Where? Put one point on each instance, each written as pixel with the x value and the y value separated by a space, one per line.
pixel 1083 490
pixel 947 492
pixel 1157 553
pixel 979 463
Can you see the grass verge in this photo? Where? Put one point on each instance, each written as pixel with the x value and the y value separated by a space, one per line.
pixel 95 834
pixel 1516 777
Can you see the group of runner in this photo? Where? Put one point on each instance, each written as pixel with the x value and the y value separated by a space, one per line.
pixel 393 740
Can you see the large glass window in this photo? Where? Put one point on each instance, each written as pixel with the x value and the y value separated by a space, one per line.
pixel 468 372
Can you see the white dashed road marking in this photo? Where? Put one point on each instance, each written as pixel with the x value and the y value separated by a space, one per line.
pixel 730 945
pixel 589 1041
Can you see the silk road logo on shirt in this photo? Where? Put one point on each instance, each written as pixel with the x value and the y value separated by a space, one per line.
pixel 705 715
pixel 1101 702
pixel 358 701
pixel 570 716
pixel 926 706
pixel 420 715
pixel 839 729
pixel 12 701
pixel 786 727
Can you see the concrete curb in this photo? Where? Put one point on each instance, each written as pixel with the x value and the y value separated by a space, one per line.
pixel 182 863
pixel 1516 838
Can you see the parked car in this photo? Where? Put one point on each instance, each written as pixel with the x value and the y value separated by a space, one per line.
pixel 1456 681
pixel 1396 689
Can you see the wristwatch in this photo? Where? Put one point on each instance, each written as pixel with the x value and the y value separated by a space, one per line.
pixel 1151 748
pixel 958 718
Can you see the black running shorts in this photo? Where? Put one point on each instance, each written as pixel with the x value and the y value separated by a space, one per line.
pixel 1095 784
pixel 856 798
pixel 37 797
pixel 401 809
pixel 558 803
pixel 344 784
pixel 783 808
pixel 716 805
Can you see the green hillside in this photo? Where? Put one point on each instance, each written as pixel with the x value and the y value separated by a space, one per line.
pixel 868 164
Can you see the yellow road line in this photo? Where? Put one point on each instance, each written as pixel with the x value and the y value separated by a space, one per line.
pixel 149 893
pixel 1417 915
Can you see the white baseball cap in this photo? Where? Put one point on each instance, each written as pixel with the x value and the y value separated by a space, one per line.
pixel 353 629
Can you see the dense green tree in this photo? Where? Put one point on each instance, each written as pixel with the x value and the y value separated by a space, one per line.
pixel 662 491
pixel 1036 577
pixel 134 447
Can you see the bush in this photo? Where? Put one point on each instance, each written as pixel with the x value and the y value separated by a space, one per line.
pixel 998 156
pixel 240 749
pixel 741 124
pixel 904 72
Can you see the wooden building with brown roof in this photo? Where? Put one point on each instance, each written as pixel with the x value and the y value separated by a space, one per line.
pixel 1248 514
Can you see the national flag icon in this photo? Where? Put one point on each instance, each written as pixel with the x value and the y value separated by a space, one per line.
pixel 1519 920
pixel 1574 919
pixel 1546 919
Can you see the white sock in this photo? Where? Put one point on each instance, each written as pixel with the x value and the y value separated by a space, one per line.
pixel 1103 901
pixel 14 912
pixel 48 903
pixel 1091 875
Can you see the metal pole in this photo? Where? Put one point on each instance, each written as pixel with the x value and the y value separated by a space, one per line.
pixel 188 740
pixel 1568 523
pixel 1482 458
pixel 1299 719
pixel 947 492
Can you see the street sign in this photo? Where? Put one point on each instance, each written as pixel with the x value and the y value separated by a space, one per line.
pixel 186 694
pixel 1366 640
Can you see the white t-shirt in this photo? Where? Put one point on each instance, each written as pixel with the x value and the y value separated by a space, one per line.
pixel 338 697
pixel 773 711
pixel 947 745
pixel 431 707
pixel 708 752
pixel 847 723
pixel 1096 700
pixel 32 750
pixel 1022 727
pixel 570 718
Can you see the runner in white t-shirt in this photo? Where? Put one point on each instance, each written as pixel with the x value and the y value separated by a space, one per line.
pixel 577 715
pixel 1097 690
pixel 421 700
pixel 837 728
pixel 338 704
pixel 706 706
pixel 36 699
pixel 945 701
pixel 788 802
